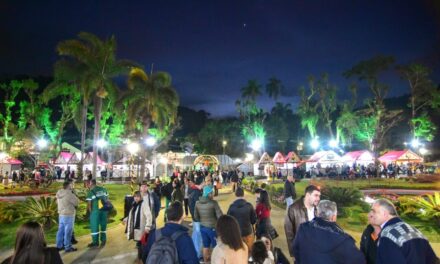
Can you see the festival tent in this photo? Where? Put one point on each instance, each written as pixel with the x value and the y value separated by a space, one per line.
pixel 279 162
pixel 360 157
pixel 264 165
pixel 323 159
pixel 126 167
pixel 400 157
pixel 292 161
pixel 9 165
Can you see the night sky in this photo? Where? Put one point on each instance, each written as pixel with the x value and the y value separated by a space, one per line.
pixel 212 48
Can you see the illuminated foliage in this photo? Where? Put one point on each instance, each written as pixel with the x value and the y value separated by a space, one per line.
pixel 423 127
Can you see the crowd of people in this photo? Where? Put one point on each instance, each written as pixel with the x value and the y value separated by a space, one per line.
pixel 244 234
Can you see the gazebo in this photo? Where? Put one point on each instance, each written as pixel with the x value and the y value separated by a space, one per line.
pixel 292 161
pixel 207 161
pixel 400 157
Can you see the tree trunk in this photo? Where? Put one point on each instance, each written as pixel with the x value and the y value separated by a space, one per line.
pixel 97 113
pixel 143 149
pixel 83 131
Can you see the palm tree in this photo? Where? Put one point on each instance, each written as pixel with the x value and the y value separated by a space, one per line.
pixel 274 88
pixel 97 60
pixel 150 99
pixel 251 91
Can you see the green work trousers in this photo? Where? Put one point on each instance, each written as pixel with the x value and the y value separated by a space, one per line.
pixel 98 225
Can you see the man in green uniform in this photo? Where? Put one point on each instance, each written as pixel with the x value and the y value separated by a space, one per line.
pixel 98 218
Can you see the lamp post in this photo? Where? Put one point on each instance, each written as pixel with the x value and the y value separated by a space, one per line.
pixel 133 148
pixel 224 143
pixel 314 143
pixel 150 142
pixel 41 144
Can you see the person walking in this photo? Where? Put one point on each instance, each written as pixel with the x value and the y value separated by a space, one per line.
pixel 234 180
pixel 322 241
pixel 398 241
pixel 230 247
pixel 302 210
pixel 186 252
pixel 263 209
pixel 244 213
pixel 67 204
pixel 30 247
pixel 98 217
pixel 177 194
pixel 185 191
pixel 207 212
pixel 289 191
pixel 139 221
pixel 369 240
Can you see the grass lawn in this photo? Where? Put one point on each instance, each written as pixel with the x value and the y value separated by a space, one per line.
pixel 117 193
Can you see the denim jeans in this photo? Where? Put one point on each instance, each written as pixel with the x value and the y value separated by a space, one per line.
pixel 289 202
pixel 65 229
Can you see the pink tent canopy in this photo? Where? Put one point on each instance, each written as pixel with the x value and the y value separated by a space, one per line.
pixel 279 158
pixel 359 155
pixel 400 156
pixel 13 161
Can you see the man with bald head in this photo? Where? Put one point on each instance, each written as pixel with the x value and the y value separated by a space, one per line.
pixel 398 241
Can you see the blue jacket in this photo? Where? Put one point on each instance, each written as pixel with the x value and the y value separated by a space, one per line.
pixel 185 246
pixel 324 242
pixel 408 247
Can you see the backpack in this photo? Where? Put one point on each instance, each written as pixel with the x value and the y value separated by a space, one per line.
pixel 164 250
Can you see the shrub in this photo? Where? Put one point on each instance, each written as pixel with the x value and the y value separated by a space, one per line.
pixel 8 212
pixel 363 218
pixel 343 197
pixel 43 211
pixel 429 207
pixel 427 178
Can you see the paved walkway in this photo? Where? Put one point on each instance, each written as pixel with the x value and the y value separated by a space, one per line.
pixel 120 251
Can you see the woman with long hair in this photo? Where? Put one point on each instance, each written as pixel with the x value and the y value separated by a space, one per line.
pixel 230 247
pixel 263 213
pixel 260 254
pixel 30 247
pixel 276 252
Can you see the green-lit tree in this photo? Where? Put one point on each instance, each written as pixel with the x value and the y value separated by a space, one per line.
pixel 327 102
pixel 308 106
pixel 99 66
pixel 251 114
pixel 369 71
pixel 150 100
pixel 347 121
pixel 422 96
pixel 10 91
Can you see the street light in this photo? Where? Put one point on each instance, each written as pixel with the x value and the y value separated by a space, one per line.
pixel 42 143
pixel 133 148
pixel 101 143
pixel 256 144
pixel 423 151
pixel 415 143
pixel 150 141
pixel 333 143
pixel 314 143
pixel 224 143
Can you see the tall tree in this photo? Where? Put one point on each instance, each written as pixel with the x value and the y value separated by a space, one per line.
pixel 274 88
pixel 99 66
pixel 150 100
pixel 422 93
pixel 251 91
pixel 347 121
pixel 369 71
pixel 10 91
pixel 327 102
pixel 308 106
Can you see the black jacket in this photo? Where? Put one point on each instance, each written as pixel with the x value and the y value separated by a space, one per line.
pixel 324 242
pixel 245 215
pixel 368 245
pixel 289 190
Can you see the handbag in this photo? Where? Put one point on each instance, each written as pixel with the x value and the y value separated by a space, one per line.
pixel 273 232
pixel 219 185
